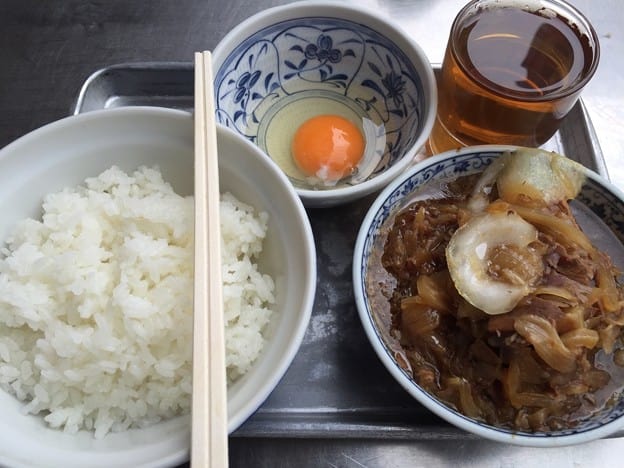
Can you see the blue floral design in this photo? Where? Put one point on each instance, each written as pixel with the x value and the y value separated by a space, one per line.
pixel 320 56
pixel 324 55
pixel 244 86
pixel 605 204
pixel 323 50
pixel 395 87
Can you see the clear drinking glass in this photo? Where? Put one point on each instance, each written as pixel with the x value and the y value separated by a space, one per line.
pixel 511 72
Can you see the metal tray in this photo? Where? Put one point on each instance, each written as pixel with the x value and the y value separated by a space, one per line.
pixel 336 387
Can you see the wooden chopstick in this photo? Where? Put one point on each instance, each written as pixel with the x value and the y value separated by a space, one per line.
pixel 209 444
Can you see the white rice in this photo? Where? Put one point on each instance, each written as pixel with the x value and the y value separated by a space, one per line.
pixel 96 302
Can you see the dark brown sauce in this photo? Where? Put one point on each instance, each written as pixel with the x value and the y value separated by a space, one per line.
pixel 466 358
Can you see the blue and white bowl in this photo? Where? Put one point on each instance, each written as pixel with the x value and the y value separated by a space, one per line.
pixel 599 208
pixel 286 64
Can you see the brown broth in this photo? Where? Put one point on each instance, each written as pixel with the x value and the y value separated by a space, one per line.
pixel 450 351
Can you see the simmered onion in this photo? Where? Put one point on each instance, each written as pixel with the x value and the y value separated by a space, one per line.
pixel 500 305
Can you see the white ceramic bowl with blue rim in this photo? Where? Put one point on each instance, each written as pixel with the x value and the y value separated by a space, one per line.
pixel 601 206
pixel 66 152
pixel 286 64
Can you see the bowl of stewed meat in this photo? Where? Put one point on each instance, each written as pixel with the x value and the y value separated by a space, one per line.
pixel 488 281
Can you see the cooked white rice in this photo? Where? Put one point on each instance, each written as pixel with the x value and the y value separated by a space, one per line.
pixel 96 302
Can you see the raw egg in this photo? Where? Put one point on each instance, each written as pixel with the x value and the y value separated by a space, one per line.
pixel 328 147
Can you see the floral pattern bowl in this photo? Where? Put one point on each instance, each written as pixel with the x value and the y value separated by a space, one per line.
pixel 289 63
pixel 599 210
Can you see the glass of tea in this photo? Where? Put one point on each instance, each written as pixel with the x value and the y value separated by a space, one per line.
pixel 511 72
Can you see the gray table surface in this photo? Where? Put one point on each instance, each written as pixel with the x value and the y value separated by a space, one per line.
pixel 49 47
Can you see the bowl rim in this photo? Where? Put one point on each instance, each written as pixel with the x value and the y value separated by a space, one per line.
pixel 309 249
pixel 295 337
pixel 381 23
pixel 420 395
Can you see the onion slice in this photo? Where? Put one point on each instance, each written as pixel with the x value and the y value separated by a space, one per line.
pixel 467 259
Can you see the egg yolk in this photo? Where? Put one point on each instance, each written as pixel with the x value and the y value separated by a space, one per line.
pixel 328 147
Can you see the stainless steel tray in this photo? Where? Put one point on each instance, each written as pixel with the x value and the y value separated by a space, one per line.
pixel 336 387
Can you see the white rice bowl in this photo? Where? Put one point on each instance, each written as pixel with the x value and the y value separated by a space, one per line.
pixel 63 155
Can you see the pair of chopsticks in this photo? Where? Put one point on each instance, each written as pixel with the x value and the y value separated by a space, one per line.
pixel 209 441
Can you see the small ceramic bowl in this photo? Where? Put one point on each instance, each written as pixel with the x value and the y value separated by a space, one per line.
pixel 64 154
pixel 287 64
pixel 599 209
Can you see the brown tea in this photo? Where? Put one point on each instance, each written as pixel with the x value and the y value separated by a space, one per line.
pixel 511 75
